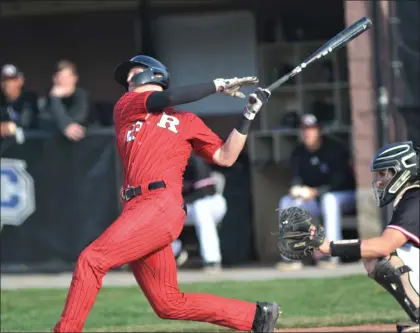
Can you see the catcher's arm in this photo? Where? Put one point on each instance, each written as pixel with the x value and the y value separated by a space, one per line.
pixel 372 248
pixel 298 236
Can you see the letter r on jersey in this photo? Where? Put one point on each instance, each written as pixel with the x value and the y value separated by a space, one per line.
pixel 168 122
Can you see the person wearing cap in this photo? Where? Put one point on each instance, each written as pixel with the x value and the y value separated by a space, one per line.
pixel 67 106
pixel 18 107
pixel 322 182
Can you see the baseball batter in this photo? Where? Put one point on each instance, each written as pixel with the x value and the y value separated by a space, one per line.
pixel 205 209
pixel 154 142
pixel 392 259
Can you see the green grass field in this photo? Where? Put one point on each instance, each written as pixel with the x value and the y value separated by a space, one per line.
pixel 305 303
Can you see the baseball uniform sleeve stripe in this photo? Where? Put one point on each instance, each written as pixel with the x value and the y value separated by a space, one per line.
pixel 408 234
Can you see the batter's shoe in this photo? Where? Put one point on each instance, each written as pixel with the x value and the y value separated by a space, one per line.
pixel 407 327
pixel 266 317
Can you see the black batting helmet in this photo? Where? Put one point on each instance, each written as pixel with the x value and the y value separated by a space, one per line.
pixel 402 160
pixel 155 72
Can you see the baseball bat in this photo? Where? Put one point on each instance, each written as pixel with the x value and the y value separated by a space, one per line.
pixel 335 43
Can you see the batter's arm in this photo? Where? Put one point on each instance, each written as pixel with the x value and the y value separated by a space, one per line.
pixel 229 152
pixel 209 146
pixel 179 95
pixel 192 93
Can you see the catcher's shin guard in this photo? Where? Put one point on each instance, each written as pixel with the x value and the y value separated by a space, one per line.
pixel 392 274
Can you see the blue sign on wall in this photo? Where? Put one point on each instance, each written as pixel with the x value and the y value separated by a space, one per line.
pixel 17 192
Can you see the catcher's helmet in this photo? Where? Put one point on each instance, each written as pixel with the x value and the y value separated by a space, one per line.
pixel 400 162
pixel 155 72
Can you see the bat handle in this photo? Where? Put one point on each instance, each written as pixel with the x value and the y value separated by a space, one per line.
pixel 279 82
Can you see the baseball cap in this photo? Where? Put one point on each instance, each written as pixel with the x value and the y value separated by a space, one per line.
pixel 309 120
pixel 10 71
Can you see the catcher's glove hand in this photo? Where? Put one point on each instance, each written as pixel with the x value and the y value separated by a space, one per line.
pixel 298 237
pixel 230 87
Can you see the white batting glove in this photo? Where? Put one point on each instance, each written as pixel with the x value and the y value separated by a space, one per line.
pixel 256 100
pixel 230 87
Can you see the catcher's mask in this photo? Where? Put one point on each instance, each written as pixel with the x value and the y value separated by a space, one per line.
pixel 154 72
pixel 395 165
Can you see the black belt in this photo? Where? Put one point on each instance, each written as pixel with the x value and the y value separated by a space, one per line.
pixel 132 192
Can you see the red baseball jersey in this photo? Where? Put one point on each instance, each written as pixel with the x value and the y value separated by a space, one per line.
pixel 156 146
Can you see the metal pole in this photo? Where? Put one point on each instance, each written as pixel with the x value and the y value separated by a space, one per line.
pixel 382 100
pixel 381 91
pixel 395 64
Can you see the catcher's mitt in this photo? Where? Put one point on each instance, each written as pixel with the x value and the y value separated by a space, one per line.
pixel 295 230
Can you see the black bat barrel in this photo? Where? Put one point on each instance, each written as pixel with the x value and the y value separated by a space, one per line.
pixel 341 39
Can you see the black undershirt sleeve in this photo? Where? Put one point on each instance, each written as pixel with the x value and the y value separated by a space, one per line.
pixel 406 216
pixel 179 95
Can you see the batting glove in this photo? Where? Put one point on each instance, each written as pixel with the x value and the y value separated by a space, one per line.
pixel 230 87
pixel 256 100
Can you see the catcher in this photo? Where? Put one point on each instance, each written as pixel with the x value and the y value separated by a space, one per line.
pixel 392 259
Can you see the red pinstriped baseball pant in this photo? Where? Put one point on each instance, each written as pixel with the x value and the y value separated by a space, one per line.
pixel 142 236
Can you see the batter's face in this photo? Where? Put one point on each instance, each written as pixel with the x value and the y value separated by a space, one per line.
pixel 143 87
pixel 134 71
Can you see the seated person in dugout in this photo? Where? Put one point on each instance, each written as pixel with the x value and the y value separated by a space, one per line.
pixel 206 208
pixel 323 183
pixel 392 259
pixel 18 106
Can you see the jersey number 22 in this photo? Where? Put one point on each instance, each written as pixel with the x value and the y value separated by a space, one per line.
pixel 133 131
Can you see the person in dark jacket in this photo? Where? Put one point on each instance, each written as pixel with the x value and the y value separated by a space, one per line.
pixel 18 107
pixel 67 106
pixel 323 183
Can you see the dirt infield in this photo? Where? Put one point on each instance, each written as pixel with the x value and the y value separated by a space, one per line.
pixel 361 328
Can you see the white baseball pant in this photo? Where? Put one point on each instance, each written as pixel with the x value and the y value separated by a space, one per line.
pixel 205 214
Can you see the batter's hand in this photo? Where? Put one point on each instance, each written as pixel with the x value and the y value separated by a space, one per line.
pixel 256 100
pixel 230 87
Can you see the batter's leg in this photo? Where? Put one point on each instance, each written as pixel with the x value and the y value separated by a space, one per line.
pixel 140 230
pixel 156 274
